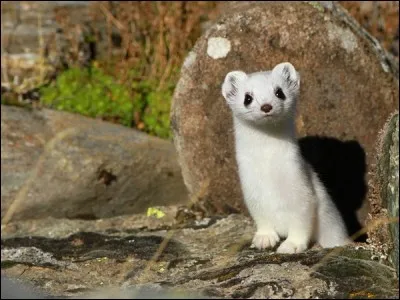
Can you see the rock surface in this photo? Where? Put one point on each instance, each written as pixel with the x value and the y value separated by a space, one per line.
pixel 21 31
pixel 30 26
pixel 209 257
pixel 386 190
pixel 65 165
pixel 349 86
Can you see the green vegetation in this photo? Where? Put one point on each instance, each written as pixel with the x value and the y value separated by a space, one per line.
pixel 89 92
pixel 93 93
pixel 122 65
pixel 154 106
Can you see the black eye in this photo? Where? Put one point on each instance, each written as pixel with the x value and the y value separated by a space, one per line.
pixel 280 94
pixel 247 99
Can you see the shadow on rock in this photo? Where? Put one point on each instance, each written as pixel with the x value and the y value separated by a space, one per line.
pixel 341 166
pixel 89 245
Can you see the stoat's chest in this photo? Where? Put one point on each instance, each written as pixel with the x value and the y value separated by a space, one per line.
pixel 266 155
pixel 269 169
pixel 268 164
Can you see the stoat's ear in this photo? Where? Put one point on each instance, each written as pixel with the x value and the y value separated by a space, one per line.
pixel 231 83
pixel 288 73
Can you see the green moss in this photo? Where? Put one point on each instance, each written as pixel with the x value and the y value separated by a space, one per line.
pixel 5 264
pixel 227 276
pixel 388 174
pixel 357 254
pixel 356 278
pixel 154 106
pixel 93 93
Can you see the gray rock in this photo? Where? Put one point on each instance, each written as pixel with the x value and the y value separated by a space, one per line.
pixel 63 165
pixel 29 255
pixel 12 289
pixel 349 86
pixel 386 189
pixel 213 261
pixel 20 22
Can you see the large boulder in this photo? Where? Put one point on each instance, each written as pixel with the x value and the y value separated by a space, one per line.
pixel 384 219
pixel 349 86
pixel 64 165
pixel 126 257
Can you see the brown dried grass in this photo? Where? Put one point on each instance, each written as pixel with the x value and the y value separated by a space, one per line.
pixel 153 36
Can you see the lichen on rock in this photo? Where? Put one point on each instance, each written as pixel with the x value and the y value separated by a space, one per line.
pixel 385 184
pixel 213 261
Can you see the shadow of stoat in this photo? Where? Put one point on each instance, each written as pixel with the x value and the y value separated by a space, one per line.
pixel 341 166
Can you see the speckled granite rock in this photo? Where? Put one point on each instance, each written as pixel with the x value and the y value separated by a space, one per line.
pixel 385 203
pixel 64 165
pixel 349 85
pixel 208 257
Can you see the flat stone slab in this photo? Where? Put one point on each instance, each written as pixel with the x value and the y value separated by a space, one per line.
pixel 209 257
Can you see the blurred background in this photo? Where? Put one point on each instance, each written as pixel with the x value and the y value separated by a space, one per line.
pixel 120 61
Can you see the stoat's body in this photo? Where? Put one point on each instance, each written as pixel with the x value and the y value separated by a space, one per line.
pixel 283 194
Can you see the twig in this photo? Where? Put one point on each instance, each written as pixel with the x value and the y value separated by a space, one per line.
pixel 193 200
pixel 109 16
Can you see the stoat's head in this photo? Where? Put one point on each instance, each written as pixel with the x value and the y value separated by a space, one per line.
pixel 263 97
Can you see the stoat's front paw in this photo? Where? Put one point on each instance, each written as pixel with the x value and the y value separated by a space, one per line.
pixel 291 247
pixel 265 239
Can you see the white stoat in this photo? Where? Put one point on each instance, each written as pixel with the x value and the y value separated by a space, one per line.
pixel 281 190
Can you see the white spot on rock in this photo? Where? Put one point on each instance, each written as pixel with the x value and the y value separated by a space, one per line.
pixel 221 26
pixel 347 38
pixel 190 59
pixel 218 47
pixel 203 222
pixel 284 39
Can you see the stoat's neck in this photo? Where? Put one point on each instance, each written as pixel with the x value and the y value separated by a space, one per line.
pixel 285 131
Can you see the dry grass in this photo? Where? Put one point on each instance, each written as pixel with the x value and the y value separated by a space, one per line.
pixel 150 37
pixel 192 201
pixel 142 44
pixel 38 169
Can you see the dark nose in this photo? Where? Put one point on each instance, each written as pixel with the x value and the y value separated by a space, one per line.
pixel 266 108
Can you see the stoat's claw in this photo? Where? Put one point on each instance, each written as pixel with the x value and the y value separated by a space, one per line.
pixel 265 239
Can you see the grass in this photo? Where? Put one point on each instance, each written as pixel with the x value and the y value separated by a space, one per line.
pixel 93 93
pixel 131 60
pixel 89 92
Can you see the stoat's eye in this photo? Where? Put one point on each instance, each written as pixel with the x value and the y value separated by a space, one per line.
pixel 247 99
pixel 279 93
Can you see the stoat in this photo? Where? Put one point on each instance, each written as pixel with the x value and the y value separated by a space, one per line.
pixel 284 195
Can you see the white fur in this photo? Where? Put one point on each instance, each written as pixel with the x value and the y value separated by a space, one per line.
pixel 282 192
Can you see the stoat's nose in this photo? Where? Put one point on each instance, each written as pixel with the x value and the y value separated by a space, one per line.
pixel 266 108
